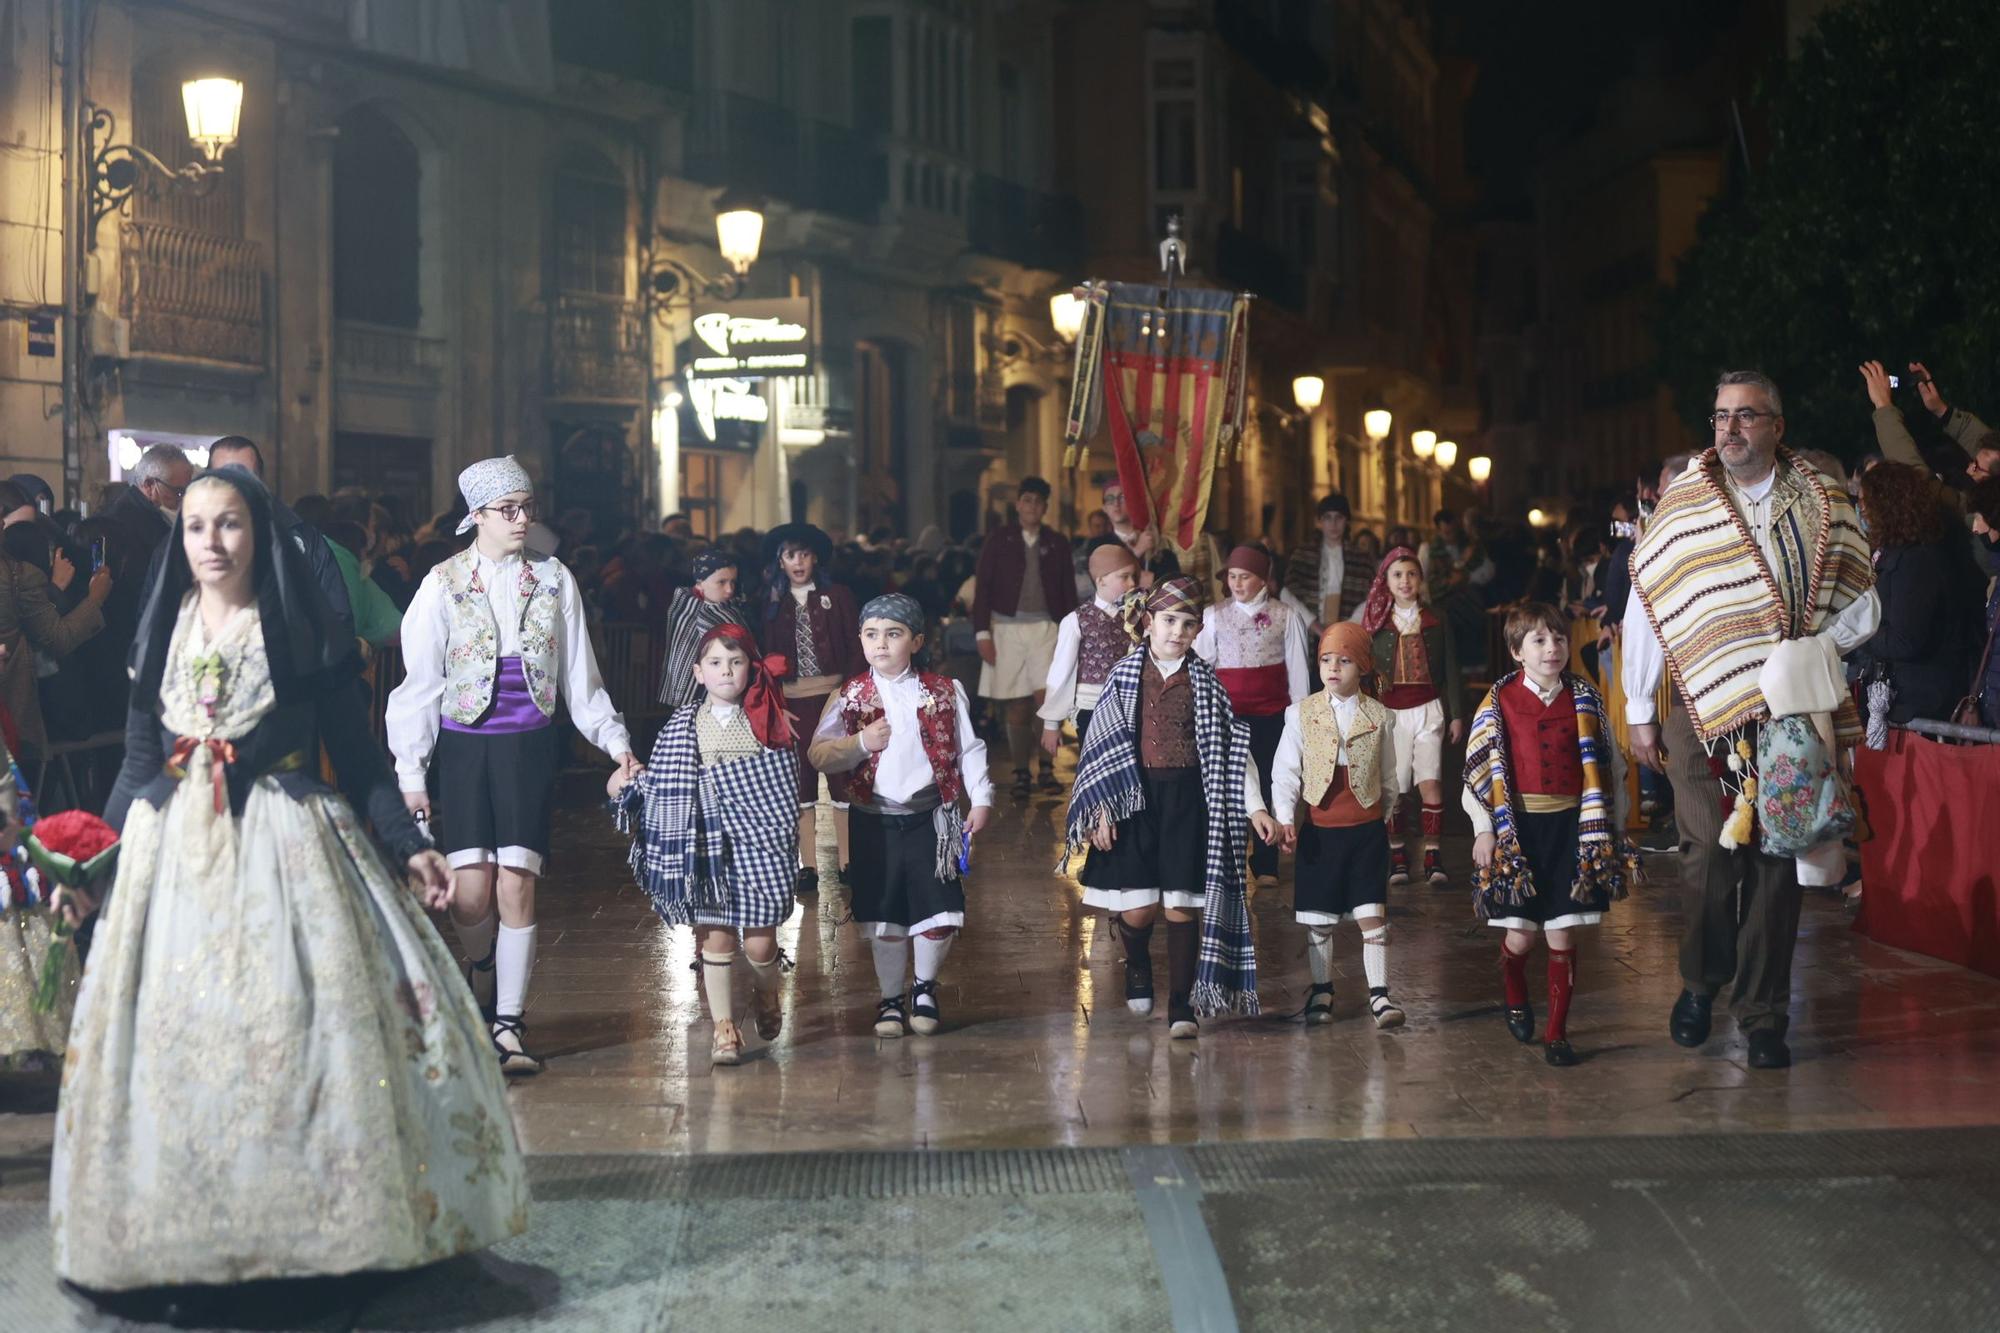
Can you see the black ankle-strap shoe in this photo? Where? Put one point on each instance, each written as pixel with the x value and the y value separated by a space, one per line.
pixel 1521 1022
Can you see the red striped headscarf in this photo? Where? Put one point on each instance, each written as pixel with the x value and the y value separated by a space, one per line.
pixel 1381 603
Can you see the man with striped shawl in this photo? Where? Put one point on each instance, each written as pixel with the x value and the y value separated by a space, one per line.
pixel 713 833
pixel 1163 789
pixel 1749 548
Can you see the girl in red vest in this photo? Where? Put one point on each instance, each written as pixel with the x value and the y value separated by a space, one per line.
pixel 1416 672
pixel 903 738
pixel 1257 645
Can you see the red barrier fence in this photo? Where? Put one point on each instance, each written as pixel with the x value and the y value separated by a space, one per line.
pixel 1931 873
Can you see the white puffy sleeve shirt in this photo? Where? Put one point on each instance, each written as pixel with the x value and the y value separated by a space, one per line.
pixel 416 706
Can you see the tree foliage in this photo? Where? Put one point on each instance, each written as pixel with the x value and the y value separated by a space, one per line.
pixel 1871 230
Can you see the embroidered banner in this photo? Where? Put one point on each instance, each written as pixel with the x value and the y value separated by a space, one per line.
pixel 1166 370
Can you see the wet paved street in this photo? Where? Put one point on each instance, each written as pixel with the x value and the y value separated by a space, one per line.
pixel 1240 1178
pixel 1038 1049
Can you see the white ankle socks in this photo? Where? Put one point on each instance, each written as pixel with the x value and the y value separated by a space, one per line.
pixel 715 980
pixel 514 962
pixel 930 954
pixel 476 940
pixel 1319 953
pixel 890 961
pixel 1375 957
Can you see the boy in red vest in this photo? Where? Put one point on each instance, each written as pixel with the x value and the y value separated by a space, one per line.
pixel 1257 645
pixel 1542 776
pixel 903 738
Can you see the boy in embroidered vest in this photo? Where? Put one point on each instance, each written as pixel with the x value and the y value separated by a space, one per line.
pixel 1337 751
pixel 491 639
pixel 1416 664
pixel 904 738
pixel 1542 779
pixel 1257 645
pixel 716 809
pixel 1089 643
pixel 1162 793
pixel 809 621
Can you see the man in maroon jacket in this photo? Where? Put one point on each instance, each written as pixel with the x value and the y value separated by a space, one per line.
pixel 1024 587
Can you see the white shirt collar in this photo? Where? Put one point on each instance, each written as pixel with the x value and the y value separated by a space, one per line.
pixel 1254 603
pixel 1547 696
pixel 722 709
pixel 909 673
pixel 1031 538
pixel 1106 607
pixel 801 591
pixel 1344 708
pixel 488 562
pixel 1166 668
pixel 1410 618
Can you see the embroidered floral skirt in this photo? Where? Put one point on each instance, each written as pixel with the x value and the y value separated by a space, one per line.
pixel 276 1069
pixel 25 936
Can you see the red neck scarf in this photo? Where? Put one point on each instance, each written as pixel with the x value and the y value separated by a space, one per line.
pixel 763 703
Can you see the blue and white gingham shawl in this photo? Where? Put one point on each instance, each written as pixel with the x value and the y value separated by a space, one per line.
pixel 713 844
pixel 1108 783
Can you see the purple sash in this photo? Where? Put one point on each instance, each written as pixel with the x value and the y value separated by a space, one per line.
pixel 513 708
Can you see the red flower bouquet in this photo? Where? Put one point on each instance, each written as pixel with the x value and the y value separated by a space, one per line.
pixel 75 850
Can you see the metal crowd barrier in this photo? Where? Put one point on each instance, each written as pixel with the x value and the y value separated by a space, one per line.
pixel 1949 731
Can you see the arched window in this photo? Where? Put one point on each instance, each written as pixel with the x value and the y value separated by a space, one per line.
pixel 590 245
pixel 377 259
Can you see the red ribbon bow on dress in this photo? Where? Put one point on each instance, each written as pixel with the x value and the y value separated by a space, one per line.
pixel 221 754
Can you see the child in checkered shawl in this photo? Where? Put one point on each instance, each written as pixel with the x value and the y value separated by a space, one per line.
pixel 715 838
pixel 1163 792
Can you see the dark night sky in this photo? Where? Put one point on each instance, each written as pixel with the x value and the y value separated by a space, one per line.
pixel 1545 66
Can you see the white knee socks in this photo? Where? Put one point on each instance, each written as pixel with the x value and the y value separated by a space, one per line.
pixel 1375 957
pixel 764 976
pixel 930 954
pixel 715 981
pixel 514 962
pixel 1319 953
pixel 476 940
pixel 890 958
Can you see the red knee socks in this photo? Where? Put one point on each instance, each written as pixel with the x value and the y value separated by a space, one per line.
pixel 1514 976
pixel 1433 822
pixel 1562 982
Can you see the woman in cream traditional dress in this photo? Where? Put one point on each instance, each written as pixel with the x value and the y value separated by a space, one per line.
pixel 275 1069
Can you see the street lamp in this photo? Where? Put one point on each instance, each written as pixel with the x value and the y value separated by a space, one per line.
pixel 739 235
pixel 1423 443
pixel 1447 454
pixel 1536 518
pixel 214 110
pixel 1479 468
pixel 1308 391
pixel 1066 313
pixel 1376 422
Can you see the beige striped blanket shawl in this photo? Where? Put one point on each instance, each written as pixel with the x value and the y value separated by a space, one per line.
pixel 1720 609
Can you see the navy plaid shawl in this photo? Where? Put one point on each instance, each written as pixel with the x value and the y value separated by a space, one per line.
pixel 1108 783
pixel 711 841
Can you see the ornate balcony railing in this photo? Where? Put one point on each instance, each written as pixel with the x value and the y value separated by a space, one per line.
pixel 385 355
pixel 597 349
pixel 193 294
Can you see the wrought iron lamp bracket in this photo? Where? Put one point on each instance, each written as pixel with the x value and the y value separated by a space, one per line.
pixel 116 169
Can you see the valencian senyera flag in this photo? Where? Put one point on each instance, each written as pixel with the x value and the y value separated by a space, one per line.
pixel 1163 368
